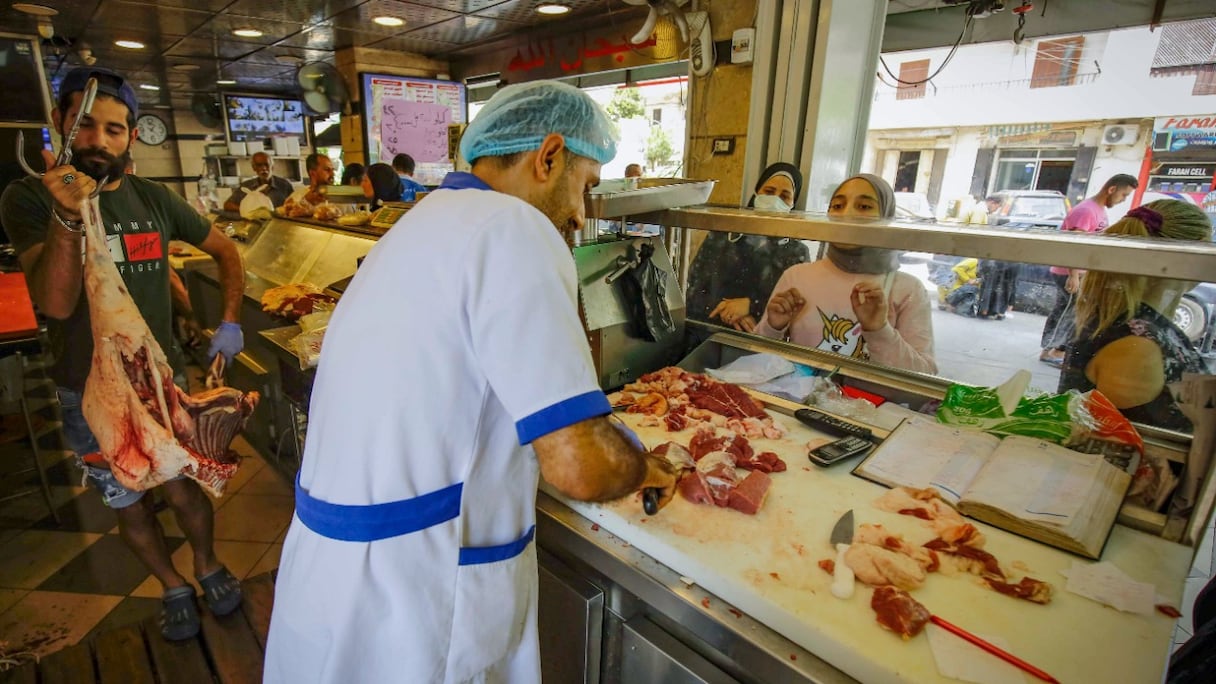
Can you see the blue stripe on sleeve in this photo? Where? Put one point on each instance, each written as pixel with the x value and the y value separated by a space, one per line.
pixel 562 414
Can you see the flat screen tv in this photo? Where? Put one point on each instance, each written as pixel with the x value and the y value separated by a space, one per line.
pixel 258 117
pixel 21 72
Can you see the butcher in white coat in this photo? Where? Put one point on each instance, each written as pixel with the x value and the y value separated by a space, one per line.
pixel 454 371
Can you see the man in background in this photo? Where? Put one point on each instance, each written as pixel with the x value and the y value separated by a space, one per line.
pixel 320 176
pixel 404 165
pixel 633 171
pixel 1088 217
pixel 277 189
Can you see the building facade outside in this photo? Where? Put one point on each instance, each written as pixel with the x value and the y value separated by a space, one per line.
pixel 1060 113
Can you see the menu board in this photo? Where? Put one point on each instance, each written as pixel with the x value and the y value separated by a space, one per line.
pixel 251 117
pixel 411 116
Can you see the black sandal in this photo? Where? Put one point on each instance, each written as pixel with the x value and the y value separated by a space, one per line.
pixel 179 617
pixel 222 590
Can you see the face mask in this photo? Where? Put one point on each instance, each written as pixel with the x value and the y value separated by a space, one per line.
pixel 771 203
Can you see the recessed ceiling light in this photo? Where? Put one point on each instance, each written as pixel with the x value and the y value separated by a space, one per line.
pixel 35 9
pixel 389 21
pixel 288 59
pixel 148 86
pixel 129 44
pixel 185 67
pixel 552 8
pixel 225 81
pixel 247 33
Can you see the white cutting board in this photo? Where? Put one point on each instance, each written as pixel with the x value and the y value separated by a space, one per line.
pixel 766 565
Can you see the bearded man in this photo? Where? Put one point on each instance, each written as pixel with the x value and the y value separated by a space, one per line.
pixel 44 220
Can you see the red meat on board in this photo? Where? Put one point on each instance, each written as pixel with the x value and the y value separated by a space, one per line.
pixel 727 400
pixel 749 495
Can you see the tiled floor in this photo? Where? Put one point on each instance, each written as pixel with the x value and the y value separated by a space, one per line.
pixel 62 583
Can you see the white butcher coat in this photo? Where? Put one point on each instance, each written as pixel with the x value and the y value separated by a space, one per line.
pixel 457 340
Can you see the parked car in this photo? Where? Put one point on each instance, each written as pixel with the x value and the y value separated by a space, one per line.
pixel 1196 316
pixel 913 206
pixel 1020 210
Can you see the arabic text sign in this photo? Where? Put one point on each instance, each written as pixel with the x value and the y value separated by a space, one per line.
pixel 419 129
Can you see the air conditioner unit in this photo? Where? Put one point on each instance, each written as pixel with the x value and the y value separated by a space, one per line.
pixel 1120 134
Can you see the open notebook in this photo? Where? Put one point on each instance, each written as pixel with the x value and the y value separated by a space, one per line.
pixel 1027 486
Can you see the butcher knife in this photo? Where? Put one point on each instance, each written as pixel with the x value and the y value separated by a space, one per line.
pixel 842 576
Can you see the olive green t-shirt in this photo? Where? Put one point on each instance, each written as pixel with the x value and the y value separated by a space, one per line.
pixel 141 217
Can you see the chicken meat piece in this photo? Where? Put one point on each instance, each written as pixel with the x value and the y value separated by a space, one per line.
pixel 925 504
pixel 878 566
pixel 877 535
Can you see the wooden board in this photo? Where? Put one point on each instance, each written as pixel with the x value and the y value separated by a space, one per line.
pixel 26 674
pixel 72 665
pixel 180 662
pixel 121 657
pixel 766 565
pixel 232 648
pixel 258 601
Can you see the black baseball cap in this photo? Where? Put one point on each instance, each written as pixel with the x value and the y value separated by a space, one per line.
pixel 108 82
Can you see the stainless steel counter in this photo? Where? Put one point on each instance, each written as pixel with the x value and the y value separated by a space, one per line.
pixel 638 589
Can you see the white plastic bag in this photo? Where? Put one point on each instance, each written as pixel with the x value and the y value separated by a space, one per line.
pixel 752 369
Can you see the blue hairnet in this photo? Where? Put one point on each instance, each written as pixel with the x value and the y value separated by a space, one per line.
pixel 519 117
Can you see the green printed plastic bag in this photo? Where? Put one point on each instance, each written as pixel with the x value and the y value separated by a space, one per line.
pixel 1043 417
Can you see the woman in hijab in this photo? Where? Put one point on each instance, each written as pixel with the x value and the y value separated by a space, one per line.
pixel 381 184
pixel 732 274
pixel 856 302
pixel 1127 345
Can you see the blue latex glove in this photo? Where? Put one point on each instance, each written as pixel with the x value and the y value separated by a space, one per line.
pixel 228 340
pixel 629 435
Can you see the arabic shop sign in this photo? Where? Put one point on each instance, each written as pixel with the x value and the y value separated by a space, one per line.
pixel 1184 132
pixel 575 54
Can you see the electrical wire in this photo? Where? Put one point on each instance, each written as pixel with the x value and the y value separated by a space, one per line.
pixel 949 56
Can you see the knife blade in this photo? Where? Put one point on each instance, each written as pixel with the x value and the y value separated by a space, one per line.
pixel 842 576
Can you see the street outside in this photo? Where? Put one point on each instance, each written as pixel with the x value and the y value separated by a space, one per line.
pixel 986 352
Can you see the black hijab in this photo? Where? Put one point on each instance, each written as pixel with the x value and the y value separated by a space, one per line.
pixel 386 184
pixel 772 170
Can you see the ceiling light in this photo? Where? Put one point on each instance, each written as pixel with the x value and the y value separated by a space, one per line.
pixel 35 9
pixel 389 21
pixel 288 59
pixel 148 86
pixel 185 67
pixel 225 81
pixel 247 33
pixel 552 8
pixel 129 44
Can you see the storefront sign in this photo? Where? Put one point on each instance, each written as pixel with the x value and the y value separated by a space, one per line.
pixel 1176 133
pixel 1048 139
pixel 1186 171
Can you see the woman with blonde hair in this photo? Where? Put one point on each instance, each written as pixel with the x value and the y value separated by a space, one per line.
pixel 1127 346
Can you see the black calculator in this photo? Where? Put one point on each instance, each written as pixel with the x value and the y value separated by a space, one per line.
pixel 839 450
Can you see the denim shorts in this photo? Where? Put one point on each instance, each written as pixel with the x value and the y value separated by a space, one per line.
pixel 80 439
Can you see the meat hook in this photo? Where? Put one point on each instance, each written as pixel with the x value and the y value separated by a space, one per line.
pixel 65 154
